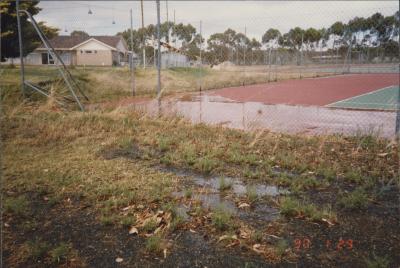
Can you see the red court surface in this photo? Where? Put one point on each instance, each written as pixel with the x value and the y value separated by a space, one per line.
pixel 313 91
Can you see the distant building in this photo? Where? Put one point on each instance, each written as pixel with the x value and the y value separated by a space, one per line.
pixel 174 59
pixel 79 50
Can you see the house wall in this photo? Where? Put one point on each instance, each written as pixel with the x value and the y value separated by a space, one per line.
pixel 34 58
pixel 99 58
pixel 100 54
pixel 121 47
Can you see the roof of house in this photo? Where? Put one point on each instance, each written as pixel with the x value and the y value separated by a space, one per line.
pixel 67 42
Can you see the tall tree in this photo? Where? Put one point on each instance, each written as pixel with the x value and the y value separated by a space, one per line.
pixel 79 34
pixel 270 36
pixel 311 37
pixel 9 29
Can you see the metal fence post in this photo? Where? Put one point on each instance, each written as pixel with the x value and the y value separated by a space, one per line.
pixel 132 63
pixel 21 54
pixel 158 57
pixel 397 129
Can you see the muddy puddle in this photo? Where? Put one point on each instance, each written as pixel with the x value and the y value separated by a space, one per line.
pixel 207 192
pixel 212 109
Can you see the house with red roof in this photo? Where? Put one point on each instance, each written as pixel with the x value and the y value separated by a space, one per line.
pixel 84 51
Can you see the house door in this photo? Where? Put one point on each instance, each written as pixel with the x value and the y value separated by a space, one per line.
pixel 47 58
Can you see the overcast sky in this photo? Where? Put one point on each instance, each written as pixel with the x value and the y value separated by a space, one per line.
pixel 216 16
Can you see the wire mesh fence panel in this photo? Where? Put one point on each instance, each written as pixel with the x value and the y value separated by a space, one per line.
pixel 316 68
pixel 324 76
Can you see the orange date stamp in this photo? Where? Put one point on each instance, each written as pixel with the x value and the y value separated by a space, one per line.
pixel 341 244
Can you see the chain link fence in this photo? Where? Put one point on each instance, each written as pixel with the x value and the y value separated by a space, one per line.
pixel 331 78
pixel 318 71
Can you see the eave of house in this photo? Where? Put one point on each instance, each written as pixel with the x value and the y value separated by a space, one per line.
pixel 93 39
pixel 80 44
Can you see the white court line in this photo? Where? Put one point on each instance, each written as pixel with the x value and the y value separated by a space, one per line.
pixel 354 97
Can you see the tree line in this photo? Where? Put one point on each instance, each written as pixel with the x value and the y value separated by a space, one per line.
pixel 376 33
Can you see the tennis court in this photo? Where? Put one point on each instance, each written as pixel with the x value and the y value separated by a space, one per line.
pixel 354 91
pixel 386 98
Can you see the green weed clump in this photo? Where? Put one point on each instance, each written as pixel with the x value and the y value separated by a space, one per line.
pixel 251 193
pixel 358 199
pixel 224 184
pixel 61 252
pixel 188 193
pixel 150 226
pixel 17 205
pixel 291 207
pixel 281 247
pixel 377 262
pixel 37 249
pixel 221 218
pixel 205 164
pixel 154 243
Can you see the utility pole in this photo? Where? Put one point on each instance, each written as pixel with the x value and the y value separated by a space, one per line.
pixel 201 75
pixel 144 37
pixel 301 53
pixel 158 54
pixel 174 30
pixel 21 56
pixel 166 4
pixel 201 61
pixel 245 47
pixel 132 65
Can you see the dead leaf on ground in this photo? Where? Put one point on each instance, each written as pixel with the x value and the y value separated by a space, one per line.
pixel 234 243
pixel 257 248
pixel 383 154
pixel 133 231
pixel 244 232
pixel 330 223
pixel 224 237
pixel 127 208
pixel 243 205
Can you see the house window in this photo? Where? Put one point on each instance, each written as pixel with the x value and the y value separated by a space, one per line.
pixel 47 58
pixel 51 60
pixel 88 51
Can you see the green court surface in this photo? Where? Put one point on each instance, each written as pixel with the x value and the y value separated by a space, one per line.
pixel 382 99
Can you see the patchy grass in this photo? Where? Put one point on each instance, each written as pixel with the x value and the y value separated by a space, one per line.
pixel 357 199
pixel 377 262
pixel 291 207
pixel 37 249
pixel 154 244
pixel 113 83
pixel 205 164
pixel 61 252
pixel 17 205
pixel 221 218
pixel 256 236
pixel 128 220
pixel 111 160
pixel 281 247
pixel 188 192
pixel 251 193
pixel 224 184
pixel 150 226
